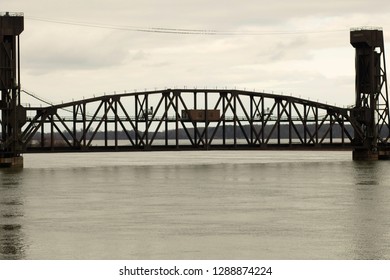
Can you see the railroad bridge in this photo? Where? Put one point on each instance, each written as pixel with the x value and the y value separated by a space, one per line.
pixel 183 119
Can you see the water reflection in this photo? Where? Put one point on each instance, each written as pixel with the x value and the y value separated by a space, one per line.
pixel 368 210
pixel 227 205
pixel 12 245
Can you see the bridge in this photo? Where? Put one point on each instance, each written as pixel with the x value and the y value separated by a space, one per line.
pixel 185 119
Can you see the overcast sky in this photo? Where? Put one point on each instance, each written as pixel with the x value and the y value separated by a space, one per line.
pixel 295 47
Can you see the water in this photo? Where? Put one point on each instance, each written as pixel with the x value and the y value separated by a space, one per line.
pixel 195 205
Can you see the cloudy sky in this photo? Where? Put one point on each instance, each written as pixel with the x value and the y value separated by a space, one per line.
pixel 74 49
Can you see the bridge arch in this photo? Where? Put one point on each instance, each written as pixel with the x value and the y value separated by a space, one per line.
pixel 189 118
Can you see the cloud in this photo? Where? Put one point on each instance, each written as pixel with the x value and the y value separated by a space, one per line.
pixel 75 60
pixel 51 49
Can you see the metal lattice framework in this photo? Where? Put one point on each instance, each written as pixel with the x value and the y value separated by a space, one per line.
pixel 371 97
pixel 188 118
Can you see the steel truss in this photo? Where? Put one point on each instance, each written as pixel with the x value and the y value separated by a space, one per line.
pixel 371 101
pixel 159 120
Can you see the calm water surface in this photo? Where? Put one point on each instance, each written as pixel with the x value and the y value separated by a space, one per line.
pixel 196 205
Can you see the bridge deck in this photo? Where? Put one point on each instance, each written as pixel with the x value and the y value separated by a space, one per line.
pixel 124 148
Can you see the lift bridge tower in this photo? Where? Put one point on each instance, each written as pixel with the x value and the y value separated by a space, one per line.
pixel 13 115
pixel 371 110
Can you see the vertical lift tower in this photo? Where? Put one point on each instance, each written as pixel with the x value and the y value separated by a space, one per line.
pixel 371 111
pixel 13 115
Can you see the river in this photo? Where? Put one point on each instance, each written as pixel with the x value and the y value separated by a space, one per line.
pixel 195 205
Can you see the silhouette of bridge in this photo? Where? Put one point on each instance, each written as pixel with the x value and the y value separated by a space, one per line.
pixel 183 119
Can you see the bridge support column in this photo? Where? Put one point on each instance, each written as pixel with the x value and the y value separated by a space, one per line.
pixel 13 115
pixel 365 154
pixel 16 161
pixel 371 111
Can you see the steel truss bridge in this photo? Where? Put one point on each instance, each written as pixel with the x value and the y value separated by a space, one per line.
pixel 166 120
pixel 178 119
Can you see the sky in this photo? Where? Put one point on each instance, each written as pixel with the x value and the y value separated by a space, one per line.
pixel 79 49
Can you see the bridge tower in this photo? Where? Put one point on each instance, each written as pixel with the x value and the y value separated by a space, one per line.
pixel 371 110
pixel 13 115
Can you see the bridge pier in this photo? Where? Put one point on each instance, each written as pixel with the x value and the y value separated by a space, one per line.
pixel 365 155
pixel 371 111
pixel 16 162
pixel 13 115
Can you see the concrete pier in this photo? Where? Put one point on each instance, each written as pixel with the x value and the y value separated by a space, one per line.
pixel 16 162
pixel 365 155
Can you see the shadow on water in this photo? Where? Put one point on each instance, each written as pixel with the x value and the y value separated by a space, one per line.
pixel 368 211
pixel 12 244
